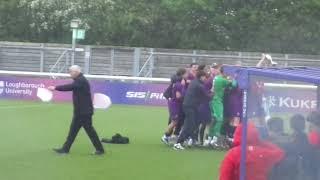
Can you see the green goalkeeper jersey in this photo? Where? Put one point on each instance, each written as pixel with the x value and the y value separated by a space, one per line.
pixel 220 84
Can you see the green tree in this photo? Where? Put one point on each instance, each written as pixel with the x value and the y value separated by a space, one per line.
pixel 286 26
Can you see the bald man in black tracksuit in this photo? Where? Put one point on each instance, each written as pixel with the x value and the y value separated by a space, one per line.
pixel 82 113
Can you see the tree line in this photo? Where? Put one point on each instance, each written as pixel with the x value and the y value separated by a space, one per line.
pixel 286 26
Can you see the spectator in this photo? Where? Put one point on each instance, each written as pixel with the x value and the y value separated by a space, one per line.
pixel 261 157
pixel 314 135
pixel 299 155
pixel 276 131
pixel 314 140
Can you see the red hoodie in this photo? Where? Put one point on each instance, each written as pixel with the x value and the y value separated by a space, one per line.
pixel 261 157
pixel 314 139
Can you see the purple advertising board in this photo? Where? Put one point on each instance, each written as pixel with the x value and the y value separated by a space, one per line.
pixel 136 94
pixel 21 88
pixel 25 88
pixel 291 99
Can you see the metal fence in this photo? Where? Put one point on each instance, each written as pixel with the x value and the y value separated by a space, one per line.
pixel 127 61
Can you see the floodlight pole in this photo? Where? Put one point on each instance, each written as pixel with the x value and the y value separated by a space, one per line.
pixel 74 26
pixel 74 32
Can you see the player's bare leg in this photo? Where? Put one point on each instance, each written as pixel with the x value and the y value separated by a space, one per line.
pixel 168 133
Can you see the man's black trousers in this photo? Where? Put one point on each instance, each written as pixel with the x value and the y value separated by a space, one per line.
pixel 190 124
pixel 84 121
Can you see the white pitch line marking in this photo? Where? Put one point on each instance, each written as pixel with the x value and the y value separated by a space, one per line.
pixel 22 106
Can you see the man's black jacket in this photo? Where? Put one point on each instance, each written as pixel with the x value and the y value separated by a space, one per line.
pixel 196 94
pixel 81 95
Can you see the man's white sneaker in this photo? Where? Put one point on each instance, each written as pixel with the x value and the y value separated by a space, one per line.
pixel 178 146
pixel 206 143
pixel 190 142
pixel 214 141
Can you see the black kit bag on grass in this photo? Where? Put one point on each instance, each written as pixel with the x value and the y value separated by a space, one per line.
pixel 116 139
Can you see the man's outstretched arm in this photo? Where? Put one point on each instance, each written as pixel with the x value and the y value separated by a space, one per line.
pixel 66 87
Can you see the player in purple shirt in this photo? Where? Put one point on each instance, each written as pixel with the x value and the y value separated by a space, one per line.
pixel 204 109
pixel 192 72
pixel 233 109
pixel 175 104
pixel 204 114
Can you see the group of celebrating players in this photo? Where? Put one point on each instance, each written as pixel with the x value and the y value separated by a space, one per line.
pixel 205 108
pixel 197 98
pixel 205 105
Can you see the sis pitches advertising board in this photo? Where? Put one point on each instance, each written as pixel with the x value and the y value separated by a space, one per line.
pixel 25 88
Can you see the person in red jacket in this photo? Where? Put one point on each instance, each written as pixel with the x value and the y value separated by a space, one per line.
pixel 314 134
pixel 261 157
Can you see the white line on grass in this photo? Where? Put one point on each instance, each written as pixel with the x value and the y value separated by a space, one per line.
pixel 24 106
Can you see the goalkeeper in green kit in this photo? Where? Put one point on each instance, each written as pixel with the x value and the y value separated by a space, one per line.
pixel 220 83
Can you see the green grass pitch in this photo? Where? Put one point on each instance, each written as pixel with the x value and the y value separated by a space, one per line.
pixel 29 130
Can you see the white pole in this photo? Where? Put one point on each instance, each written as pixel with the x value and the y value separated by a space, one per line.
pixel 74 37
